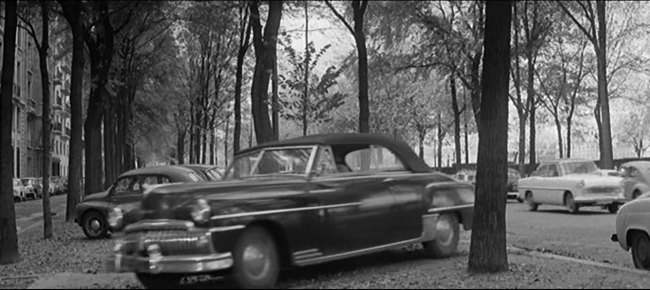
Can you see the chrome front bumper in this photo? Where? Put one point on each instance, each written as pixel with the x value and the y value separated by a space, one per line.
pixel 170 264
pixel 166 246
pixel 599 200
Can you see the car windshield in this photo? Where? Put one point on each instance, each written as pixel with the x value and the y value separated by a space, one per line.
pixel 580 167
pixel 271 161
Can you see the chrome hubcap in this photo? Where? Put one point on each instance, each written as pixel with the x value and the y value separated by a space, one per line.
pixel 256 260
pixel 94 226
pixel 444 231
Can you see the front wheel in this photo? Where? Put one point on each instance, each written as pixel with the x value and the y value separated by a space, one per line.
pixel 636 194
pixel 160 281
pixel 257 262
pixel 570 204
pixel 641 251
pixel 94 225
pixel 447 236
pixel 532 205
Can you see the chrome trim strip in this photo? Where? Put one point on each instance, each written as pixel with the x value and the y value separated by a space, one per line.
pixel 367 174
pixel 322 191
pixel 225 229
pixel 439 184
pixel 158 224
pixel 356 253
pixel 266 212
pixel 305 252
pixel 448 208
pixel 307 256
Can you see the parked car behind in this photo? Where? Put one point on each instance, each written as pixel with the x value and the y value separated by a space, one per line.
pixel 208 172
pixel 124 195
pixel 467 176
pixel 513 180
pixel 19 190
pixel 31 187
pixel 572 183
pixel 637 178
pixel 633 231
pixel 295 202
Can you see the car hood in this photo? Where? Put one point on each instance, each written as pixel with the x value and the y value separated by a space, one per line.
pixel 96 196
pixel 225 196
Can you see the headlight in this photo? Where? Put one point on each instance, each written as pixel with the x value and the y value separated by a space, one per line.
pixel 115 218
pixel 201 212
pixel 581 184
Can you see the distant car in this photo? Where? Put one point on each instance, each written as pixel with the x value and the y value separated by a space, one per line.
pixel 295 202
pixel 19 190
pixel 31 187
pixel 633 230
pixel 572 183
pixel 208 172
pixel 609 172
pixel 513 180
pixel 637 178
pixel 94 212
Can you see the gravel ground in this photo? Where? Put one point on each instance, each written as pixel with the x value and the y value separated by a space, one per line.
pixel 70 260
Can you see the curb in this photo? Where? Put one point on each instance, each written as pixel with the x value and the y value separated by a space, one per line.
pixel 533 253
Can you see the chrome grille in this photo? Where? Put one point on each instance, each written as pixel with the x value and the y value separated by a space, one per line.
pixel 170 242
pixel 603 190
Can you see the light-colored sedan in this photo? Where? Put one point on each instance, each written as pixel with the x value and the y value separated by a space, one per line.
pixel 633 230
pixel 572 183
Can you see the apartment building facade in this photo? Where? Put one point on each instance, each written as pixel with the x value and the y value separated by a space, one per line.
pixel 27 133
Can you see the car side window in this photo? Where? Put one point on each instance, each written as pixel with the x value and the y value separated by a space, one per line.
pixel 380 159
pixel 126 185
pixel 552 171
pixel 541 171
pixel 326 164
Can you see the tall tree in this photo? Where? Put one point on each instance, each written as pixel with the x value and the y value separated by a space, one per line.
pixel 72 13
pixel 265 54
pixel 488 242
pixel 8 236
pixel 244 37
pixel 359 9
pixel 29 19
pixel 596 32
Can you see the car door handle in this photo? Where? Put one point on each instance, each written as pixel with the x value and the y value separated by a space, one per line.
pixel 389 179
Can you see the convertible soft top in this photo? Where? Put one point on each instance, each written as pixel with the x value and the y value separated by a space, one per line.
pixel 400 148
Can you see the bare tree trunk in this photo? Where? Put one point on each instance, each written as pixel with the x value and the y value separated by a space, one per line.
pixel 441 137
pixel 606 154
pixel 72 13
pixel 9 253
pixel 558 127
pixel 225 143
pixel 45 84
pixel 457 112
pixel 265 49
pixel 180 146
pixel 466 132
pixel 359 8
pixel 244 36
pixel 488 241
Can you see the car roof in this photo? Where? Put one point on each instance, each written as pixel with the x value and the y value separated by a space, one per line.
pixel 400 148
pixel 177 173
pixel 198 166
pixel 636 163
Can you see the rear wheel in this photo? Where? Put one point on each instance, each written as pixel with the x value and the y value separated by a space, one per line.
pixel 160 281
pixel 532 205
pixel 570 203
pixel 447 236
pixel 257 262
pixel 641 251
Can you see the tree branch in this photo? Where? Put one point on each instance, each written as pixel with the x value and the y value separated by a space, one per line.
pixel 340 17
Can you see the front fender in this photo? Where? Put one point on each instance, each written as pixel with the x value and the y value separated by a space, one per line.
pixel 84 207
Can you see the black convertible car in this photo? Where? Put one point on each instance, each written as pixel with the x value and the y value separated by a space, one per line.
pixel 295 202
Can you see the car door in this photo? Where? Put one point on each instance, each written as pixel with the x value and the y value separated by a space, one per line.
pixel 632 176
pixel 552 192
pixel 535 183
pixel 126 190
pixel 357 204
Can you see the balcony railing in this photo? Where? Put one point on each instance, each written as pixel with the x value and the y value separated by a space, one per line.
pixel 57 127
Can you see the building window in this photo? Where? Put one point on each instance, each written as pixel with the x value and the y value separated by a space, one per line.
pixel 29 85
